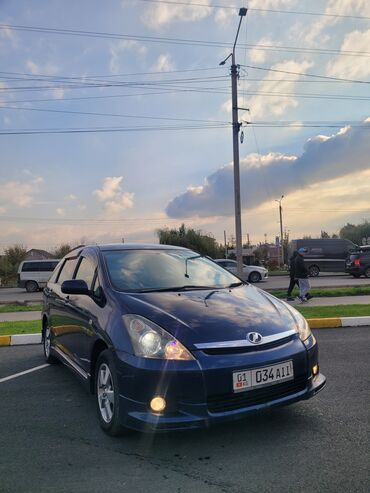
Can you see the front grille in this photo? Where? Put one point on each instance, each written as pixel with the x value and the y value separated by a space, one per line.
pixel 247 349
pixel 230 402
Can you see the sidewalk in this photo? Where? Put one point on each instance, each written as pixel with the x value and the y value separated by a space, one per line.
pixel 340 300
pixel 19 316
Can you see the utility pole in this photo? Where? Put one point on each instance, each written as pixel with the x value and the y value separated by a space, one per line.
pixel 281 229
pixel 236 128
pixel 225 244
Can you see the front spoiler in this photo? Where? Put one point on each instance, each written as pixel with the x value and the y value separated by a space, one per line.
pixel 196 416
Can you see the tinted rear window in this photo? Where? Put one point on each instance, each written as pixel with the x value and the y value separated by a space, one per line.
pixel 39 266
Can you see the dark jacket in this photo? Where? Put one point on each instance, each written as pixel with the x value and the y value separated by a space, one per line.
pixel 301 271
pixel 292 265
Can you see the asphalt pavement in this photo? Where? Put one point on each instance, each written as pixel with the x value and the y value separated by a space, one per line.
pixel 50 440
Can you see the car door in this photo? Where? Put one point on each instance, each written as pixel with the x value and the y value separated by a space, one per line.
pixel 61 320
pixel 82 309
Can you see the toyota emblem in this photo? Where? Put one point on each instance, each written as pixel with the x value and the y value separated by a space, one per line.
pixel 254 337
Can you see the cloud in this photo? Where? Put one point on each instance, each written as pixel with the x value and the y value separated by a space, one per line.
pixel 160 15
pixel 163 64
pixel 20 194
pixel 118 48
pixel 313 33
pixel 343 66
pixel 112 196
pixel 324 158
pixel 259 55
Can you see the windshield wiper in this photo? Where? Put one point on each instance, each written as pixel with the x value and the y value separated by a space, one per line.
pixel 176 288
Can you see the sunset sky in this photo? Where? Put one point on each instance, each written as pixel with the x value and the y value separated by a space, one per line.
pixel 115 118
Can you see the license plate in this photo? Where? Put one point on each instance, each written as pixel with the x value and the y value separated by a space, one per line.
pixel 266 375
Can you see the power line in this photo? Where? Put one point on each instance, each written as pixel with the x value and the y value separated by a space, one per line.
pixel 254 9
pixel 360 125
pixel 180 41
pixel 109 129
pixel 91 113
pixel 308 75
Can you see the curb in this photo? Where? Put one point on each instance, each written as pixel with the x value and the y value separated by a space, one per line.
pixel 314 323
pixel 20 339
pixel 335 323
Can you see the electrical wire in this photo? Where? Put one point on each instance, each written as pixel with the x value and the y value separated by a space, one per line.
pixel 308 75
pixel 179 41
pixel 255 9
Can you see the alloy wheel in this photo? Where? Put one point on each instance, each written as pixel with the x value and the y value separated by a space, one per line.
pixel 47 342
pixel 105 393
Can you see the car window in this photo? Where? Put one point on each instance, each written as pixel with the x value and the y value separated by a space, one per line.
pixel 136 270
pixel 67 271
pixel 86 271
pixel 48 266
pixel 56 271
pixel 96 289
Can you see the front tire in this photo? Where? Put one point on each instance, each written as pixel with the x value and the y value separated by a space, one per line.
pixel 314 271
pixel 367 272
pixel 107 395
pixel 254 277
pixel 32 286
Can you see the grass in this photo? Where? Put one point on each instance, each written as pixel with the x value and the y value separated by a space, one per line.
pixel 334 311
pixel 326 292
pixel 20 308
pixel 26 327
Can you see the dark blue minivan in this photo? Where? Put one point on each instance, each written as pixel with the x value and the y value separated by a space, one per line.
pixel 166 339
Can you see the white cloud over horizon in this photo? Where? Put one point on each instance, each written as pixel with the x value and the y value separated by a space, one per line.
pixel 271 175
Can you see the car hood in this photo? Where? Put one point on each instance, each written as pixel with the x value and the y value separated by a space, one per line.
pixel 255 267
pixel 204 316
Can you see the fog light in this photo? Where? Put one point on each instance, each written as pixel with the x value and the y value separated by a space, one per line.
pixel 315 370
pixel 158 404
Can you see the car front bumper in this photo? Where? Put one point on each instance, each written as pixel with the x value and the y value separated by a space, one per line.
pixel 199 393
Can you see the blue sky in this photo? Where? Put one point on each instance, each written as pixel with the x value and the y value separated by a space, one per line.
pixel 102 186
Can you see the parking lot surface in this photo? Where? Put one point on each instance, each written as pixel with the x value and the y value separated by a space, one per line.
pixel 50 440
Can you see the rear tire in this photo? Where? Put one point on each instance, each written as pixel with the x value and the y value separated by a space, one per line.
pixel 313 271
pixel 32 286
pixel 254 277
pixel 107 395
pixel 367 272
pixel 46 341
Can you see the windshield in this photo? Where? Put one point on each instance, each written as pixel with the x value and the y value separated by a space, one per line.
pixel 143 270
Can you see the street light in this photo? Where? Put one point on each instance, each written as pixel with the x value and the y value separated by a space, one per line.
pixel 236 128
pixel 281 229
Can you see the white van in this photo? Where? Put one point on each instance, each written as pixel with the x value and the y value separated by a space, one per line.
pixel 34 274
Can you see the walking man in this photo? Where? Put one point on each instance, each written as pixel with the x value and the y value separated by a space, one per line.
pixel 293 280
pixel 301 273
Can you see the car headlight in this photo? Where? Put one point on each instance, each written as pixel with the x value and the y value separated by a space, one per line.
pixel 303 328
pixel 151 341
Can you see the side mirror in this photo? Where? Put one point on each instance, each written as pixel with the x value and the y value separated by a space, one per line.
pixel 75 286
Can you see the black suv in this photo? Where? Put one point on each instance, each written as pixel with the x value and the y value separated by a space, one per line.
pixel 358 262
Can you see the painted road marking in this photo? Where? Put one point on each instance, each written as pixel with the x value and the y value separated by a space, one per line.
pixel 16 375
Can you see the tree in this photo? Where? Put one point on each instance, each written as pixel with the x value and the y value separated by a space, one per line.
pixel 62 250
pixel 191 238
pixel 14 255
pixel 9 263
pixel 324 234
pixel 356 233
